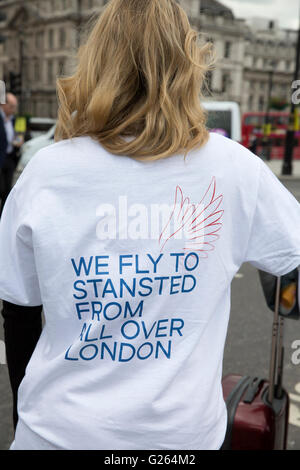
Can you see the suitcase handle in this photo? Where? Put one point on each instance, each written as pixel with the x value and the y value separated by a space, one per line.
pixel 252 390
pixel 277 351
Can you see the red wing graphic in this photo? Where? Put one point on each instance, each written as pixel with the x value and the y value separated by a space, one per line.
pixel 197 225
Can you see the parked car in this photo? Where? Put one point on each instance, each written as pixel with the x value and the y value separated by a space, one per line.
pixel 39 126
pixel 32 146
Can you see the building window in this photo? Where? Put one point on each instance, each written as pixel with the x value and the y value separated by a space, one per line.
pixel 34 107
pixel 61 67
pixel 50 108
pixel 283 89
pixel 39 40
pixel 37 45
pixel 50 38
pixel 250 103
pixel 271 24
pixel 53 109
pixel 62 37
pixel 261 103
pixel 266 63
pixel 50 72
pixel 25 74
pixel 37 75
pixel 227 51
pixel 208 83
pixel 50 5
pixel 225 82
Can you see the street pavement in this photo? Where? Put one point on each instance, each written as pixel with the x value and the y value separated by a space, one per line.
pixel 248 345
pixel 276 167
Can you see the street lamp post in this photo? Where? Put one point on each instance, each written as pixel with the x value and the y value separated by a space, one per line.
pixel 270 89
pixel 3 17
pixel 21 58
pixel 267 131
pixel 287 168
pixel 79 19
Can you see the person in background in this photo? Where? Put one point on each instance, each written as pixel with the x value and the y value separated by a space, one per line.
pixel 9 146
pixel 136 307
pixel 253 144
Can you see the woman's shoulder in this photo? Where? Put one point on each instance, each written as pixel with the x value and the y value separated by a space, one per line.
pixel 54 156
pixel 63 147
pixel 230 152
pixel 227 144
pixel 53 161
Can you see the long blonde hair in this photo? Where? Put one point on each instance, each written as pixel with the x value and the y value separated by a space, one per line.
pixel 140 73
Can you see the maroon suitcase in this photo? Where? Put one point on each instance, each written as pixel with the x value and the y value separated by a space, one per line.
pixel 258 409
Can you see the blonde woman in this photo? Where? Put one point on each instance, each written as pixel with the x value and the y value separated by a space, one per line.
pixel 128 230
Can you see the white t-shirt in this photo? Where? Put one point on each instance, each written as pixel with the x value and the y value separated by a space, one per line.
pixel 133 262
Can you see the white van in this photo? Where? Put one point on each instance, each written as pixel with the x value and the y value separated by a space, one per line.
pixel 224 117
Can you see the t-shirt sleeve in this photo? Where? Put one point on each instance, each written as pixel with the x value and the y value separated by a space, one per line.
pixel 18 277
pixel 274 243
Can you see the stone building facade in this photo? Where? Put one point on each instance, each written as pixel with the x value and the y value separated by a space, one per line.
pixel 269 62
pixel 218 25
pixel 254 56
pixel 42 37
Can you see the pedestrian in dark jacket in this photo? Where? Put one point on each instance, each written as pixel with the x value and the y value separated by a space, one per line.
pixel 9 146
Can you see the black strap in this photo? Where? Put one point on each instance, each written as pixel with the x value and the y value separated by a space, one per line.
pixel 232 402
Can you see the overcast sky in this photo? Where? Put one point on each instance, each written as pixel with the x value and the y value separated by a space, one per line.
pixel 286 11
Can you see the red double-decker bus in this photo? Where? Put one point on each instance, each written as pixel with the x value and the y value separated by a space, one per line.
pixel 255 134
